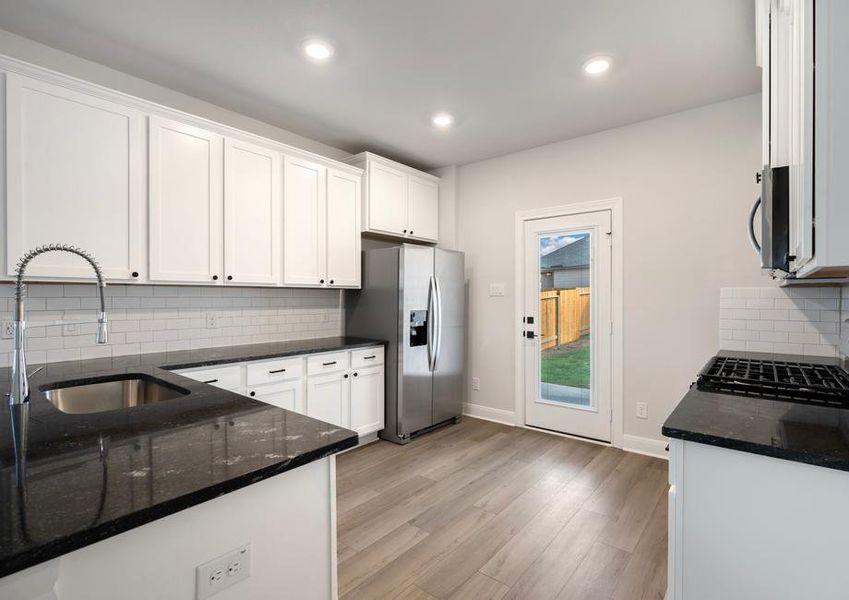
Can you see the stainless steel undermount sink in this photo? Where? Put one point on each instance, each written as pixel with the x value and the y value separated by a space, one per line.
pixel 110 394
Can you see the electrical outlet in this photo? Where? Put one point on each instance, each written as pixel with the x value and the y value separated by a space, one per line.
pixel 8 330
pixel 476 384
pixel 211 320
pixel 642 410
pixel 222 572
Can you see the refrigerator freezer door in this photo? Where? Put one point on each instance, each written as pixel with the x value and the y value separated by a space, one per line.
pixel 415 386
pixel 448 374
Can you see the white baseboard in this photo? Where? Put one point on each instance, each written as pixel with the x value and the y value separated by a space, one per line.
pixel 644 445
pixel 499 415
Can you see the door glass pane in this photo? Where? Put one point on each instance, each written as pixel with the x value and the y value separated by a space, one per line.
pixel 564 317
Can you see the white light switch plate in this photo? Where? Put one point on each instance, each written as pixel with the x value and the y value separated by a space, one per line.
pixel 496 290
pixel 222 572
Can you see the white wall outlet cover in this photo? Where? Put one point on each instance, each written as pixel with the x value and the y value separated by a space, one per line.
pixel 642 410
pixel 211 320
pixel 222 572
pixel 476 383
pixel 496 290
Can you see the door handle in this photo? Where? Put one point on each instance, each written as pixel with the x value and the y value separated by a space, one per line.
pixel 438 344
pixel 431 324
pixel 530 335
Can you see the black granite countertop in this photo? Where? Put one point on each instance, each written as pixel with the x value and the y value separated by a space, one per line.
pixel 816 435
pixel 87 477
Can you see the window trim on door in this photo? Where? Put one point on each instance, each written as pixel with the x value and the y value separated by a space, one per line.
pixel 615 206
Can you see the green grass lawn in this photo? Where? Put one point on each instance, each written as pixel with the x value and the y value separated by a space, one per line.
pixel 567 366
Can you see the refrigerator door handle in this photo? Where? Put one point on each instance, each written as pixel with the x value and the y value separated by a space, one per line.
pixel 431 323
pixel 438 327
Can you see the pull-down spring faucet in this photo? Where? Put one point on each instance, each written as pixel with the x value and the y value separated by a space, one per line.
pixel 20 385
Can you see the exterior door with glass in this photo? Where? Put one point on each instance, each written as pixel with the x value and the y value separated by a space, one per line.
pixel 567 327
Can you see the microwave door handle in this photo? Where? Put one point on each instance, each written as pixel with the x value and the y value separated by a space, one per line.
pixel 752 238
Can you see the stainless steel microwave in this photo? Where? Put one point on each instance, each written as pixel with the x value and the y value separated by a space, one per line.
pixel 774 246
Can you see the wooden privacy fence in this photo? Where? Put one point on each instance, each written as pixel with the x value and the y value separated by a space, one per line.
pixel 564 316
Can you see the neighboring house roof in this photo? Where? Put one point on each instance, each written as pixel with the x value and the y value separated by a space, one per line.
pixel 572 256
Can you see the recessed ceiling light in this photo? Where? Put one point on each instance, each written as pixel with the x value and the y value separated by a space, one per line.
pixel 442 120
pixel 597 65
pixel 317 50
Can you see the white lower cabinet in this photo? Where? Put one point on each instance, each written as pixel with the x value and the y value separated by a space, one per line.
pixel 327 398
pixel 367 400
pixel 345 388
pixel 288 395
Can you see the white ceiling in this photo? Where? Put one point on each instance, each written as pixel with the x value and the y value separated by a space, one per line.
pixel 509 70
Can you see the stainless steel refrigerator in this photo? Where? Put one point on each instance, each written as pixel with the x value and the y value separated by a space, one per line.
pixel 414 297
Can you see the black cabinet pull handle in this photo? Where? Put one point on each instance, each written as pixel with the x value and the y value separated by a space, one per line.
pixel 135 273
pixel 372 357
pixel 215 278
pixel 277 371
pixel 253 394
pixel 327 364
pixel 229 278
pixel 210 381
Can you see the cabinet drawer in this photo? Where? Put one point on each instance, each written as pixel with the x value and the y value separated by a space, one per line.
pixel 327 363
pixel 278 369
pixel 367 357
pixel 228 377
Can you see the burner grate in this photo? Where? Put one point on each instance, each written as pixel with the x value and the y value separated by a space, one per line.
pixel 779 380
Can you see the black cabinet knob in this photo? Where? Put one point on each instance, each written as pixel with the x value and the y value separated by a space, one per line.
pixel 405 231
pixel 321 280
pixel 331 282
pixel 229 278
pixel 253 394
pixel 135 273
pixel 355 374
pixel 346 376
pixel 215 278
pixel 411 232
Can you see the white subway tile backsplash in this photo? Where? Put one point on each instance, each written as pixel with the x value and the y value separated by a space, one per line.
pixel 797 320
pixel 147 318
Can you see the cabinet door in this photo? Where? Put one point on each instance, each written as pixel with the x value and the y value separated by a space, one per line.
pixel 327 398
pixel 252 213
pixel 304 223
pixel 74 167
pixel 367 387
pixel 387 199
pixel 289 395
pixel 185 203
pixel 343 229
pixel 423 209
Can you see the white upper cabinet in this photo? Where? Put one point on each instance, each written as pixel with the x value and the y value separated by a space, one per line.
pixel 343 229
pixel 398 200
pixel 160 196
pixel 74 168
pixel 304 232
pixel 387 199
pixel 185 187
pixel 252 214
pixel 423 208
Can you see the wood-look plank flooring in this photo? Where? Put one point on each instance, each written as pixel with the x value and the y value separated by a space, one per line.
pixel 485 511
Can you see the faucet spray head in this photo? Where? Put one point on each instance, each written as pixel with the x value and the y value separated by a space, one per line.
pixel 102 333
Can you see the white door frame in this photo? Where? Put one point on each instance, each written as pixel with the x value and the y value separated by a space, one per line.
pixel 615 206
